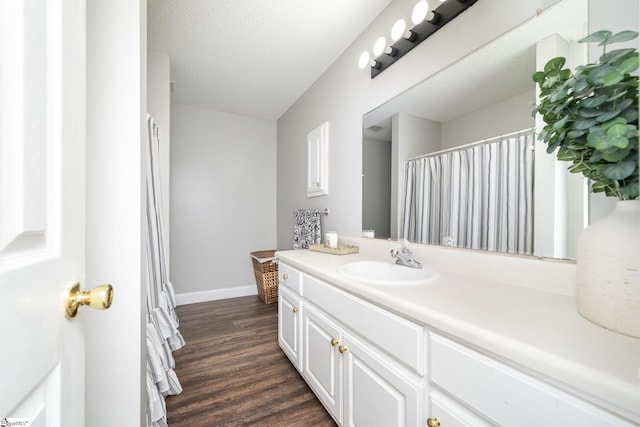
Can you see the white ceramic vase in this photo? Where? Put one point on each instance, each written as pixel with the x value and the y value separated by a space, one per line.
pixel 608 270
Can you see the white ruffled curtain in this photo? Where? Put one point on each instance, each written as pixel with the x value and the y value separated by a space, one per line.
pixel 479 197
pixel 163 337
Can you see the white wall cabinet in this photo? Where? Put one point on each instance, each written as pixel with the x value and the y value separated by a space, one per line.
pixel 318 161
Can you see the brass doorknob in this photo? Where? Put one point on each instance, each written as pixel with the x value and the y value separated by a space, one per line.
pixel 342 349
pixel 433 422
pixel 99 298
pixel 334 342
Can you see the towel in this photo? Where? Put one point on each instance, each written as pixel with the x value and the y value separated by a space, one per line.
pixel 306 228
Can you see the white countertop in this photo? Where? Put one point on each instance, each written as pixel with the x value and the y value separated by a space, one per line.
pixel 534 330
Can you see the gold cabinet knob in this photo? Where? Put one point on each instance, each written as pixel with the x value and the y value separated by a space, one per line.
pixel 296 309
pixel 285 276
pixel 433 422
pixel 334 342
pixel 99 298
pixel 342 349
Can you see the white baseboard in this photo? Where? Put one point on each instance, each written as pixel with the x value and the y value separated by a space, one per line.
pixel 215 294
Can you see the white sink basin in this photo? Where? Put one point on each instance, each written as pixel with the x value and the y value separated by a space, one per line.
pixel 387 273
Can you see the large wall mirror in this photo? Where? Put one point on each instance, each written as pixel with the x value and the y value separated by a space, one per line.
pixel 483 99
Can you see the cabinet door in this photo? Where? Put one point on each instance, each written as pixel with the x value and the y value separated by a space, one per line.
pixel 317 161
pixel 505 395
pixel 450 413
pixel 376 392
pixel 290 326
pixel 321 366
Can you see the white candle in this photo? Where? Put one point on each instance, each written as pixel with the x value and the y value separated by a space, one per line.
pixel 331 239
pixel 370 234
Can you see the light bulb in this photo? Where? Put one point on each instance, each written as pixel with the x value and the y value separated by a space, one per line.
pixel 410 35
pixel 420 11
pixel 398 29
pixel 378 46
pixel 391 51
pixel 364 60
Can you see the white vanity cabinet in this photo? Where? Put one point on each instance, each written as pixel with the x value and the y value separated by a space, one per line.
pixel 500 394
pixel 290 313
pixel 357 384
pixel 453 360
pixel 355 359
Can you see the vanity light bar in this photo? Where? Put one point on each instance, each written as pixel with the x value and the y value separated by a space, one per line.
pixel 441 15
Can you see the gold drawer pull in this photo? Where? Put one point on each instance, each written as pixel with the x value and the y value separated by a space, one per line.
pixel 433 422
pixel 296 309
pixel 342 349
pixel 285 276
pixel 334 342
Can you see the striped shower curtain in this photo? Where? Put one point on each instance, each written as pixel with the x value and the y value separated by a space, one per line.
pixel 478 197
pixel 163 337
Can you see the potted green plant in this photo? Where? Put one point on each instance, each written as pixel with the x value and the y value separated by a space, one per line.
pixel 590 117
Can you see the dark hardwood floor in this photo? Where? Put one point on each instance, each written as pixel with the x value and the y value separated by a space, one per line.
pixel 233 372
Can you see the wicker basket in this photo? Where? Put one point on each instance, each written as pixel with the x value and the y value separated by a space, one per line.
pixel 265 268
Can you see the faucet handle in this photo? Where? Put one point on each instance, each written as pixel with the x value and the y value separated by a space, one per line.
pixel 403 244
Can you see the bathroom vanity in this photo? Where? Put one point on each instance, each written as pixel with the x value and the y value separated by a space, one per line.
pixel 457 350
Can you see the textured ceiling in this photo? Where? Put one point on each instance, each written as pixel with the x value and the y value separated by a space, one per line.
pixel 253 57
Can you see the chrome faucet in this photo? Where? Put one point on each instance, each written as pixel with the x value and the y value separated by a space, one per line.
pixel 404 256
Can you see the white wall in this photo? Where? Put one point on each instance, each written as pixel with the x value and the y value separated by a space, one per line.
pixel 223 200
pixel 116 211
pixel 344 93
pixel 377 187
pixel 159 106
pixel 607 15
pixel 511 115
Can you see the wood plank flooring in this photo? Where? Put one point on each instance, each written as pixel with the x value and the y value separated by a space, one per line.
pixel 233 372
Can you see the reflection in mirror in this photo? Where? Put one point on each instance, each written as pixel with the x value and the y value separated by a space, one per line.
pixel 487 94
pixel 478 196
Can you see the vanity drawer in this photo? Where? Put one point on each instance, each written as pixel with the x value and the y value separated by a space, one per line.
pixel 290 277
pixel 504 395
pixel 451 413
pixel 402 339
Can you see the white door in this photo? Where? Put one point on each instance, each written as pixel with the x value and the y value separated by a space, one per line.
pixel 42 210
pixel 71 210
